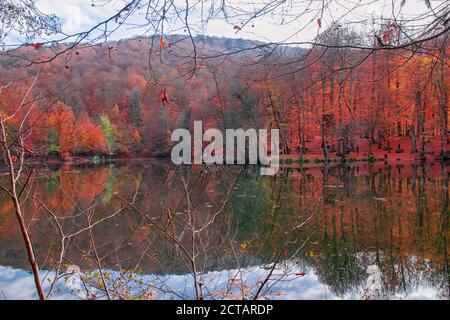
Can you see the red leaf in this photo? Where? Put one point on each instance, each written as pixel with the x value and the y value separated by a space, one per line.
pixel 37 45
pixel 319 22
pixel 164 97
pixel 392 26
pixel 14 158
pixel 300 274
pixel 169 45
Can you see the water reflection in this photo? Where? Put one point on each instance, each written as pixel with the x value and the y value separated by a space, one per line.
pixel 215 232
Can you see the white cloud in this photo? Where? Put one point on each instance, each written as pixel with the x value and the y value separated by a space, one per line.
pixel 80 15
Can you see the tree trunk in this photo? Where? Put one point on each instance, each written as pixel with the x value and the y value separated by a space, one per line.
pixel 18 211
pixel 413 140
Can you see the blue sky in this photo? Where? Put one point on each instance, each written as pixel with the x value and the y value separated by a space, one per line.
pixel 80 15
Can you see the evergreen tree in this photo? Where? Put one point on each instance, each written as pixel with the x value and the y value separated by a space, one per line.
pixel 135 106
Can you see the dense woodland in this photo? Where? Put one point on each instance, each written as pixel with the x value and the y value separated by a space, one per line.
pixel 344 84
pixel 116 99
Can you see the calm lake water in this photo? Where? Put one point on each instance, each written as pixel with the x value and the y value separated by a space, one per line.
pixel 161 231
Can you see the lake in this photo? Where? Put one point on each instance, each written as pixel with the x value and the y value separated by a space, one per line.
pixel 150 230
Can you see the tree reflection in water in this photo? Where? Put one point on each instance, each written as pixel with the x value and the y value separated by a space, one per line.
pixel 147 217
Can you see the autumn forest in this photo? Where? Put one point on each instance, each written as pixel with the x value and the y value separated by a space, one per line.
pixel 107 99
pixel 93 205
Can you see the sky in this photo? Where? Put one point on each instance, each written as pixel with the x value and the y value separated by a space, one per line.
pixel 19 284
pixel 80 15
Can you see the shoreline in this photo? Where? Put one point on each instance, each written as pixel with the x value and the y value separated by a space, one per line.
pixel 291 160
